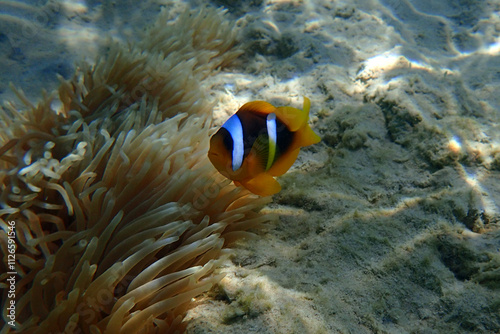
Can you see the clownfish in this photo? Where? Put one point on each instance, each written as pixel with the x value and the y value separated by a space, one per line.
pixel 259 142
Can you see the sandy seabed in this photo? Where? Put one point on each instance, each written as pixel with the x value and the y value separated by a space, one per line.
pixel 391 223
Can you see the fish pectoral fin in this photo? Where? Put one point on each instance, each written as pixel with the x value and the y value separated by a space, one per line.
pixel 262 185
pixel 260 150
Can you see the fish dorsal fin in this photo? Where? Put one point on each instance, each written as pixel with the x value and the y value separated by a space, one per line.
pixel 292 117
pixel 260 107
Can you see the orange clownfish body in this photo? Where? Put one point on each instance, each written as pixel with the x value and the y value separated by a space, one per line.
pixel 259 142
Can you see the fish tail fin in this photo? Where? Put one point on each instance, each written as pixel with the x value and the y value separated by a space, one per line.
pixel 306 106
pixel 308 136
pixel 305 136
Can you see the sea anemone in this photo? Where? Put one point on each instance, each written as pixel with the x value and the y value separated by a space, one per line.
pixel 120 219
